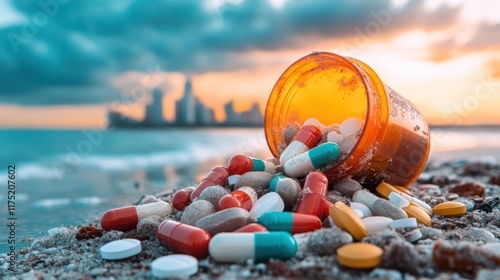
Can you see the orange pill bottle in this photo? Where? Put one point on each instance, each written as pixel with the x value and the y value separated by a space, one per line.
pixel 394 142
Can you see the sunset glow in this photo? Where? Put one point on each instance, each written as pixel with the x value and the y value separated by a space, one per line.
pixel 443 56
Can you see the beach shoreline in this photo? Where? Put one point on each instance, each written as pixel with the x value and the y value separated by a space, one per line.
pixel 62 256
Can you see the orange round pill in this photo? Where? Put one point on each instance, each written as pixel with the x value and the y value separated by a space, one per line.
pixel 419 214
pixel 450 209
pixel 359 255
pixel 345 218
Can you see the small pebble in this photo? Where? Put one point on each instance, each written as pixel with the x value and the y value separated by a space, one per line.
pixel 463 256
pixel 469 189
pixel 288 189
pixel 431 233
pixel 323 242
pixel 378 206
pixel 259 181
pixel 348 143
pixel 478 235
pixel 148 199
pixel 227 220
pixel 290 132
pixel 469 205
pixel 58 230
pixel 88 232
pixel 148 225
pixel 213 194
pixel 347 187
pixel 197 210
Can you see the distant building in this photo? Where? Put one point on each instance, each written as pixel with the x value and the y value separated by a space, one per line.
pixel 119 120
pixel 252 117
pixel 185 108
pixel 204 116
pixel 189 111
pixel 154 111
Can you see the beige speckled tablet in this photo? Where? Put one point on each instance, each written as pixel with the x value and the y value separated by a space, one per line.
pixel 359 255
pixel 450 209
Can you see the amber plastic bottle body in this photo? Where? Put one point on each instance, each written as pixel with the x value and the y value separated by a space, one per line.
pixel 394 142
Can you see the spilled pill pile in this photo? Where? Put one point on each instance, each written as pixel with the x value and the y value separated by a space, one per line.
pixel 256 210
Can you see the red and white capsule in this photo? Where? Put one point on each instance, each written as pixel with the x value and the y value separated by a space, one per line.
pixel 240 164
pixel 126 218
pixel 217 176
pixel 315 189
pixel 243 197
pixel 307 138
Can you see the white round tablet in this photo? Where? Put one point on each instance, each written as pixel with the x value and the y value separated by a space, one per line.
pixel 404 223
pixel 361 207
pixel 375 224
pixel 121 249
pixel 270 202
pixel 174 266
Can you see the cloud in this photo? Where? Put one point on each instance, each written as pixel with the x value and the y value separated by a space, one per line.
pixel 481 37
pixel 69 51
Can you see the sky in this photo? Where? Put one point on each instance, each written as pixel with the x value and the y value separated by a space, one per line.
pixel 65 63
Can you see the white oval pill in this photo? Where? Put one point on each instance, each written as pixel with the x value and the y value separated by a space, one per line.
pixel 270 202
pixel 121 249
pixel 418 202
pixel 398 200
pixel 350 125
pixel 376 223
pixel 359 213
pixel 174 266
pixel 363 208
pixel 404 223
pixel 335 137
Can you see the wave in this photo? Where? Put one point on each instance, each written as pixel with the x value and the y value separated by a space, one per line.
pixel 192 155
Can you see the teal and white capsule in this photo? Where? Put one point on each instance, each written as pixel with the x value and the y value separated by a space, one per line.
pixel 315 158
pixel 259 246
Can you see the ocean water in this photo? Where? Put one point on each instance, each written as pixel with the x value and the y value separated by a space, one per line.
pixel 65 177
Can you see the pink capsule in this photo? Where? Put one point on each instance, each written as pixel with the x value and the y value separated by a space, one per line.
pixel 126 218
pixel 243 197
pixel 315 189
pixel 217 176
pixel 307 138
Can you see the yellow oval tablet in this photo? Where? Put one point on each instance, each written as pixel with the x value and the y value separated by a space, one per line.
pixel 403 190
pixel 419 214
pixel 345 218
pixel 359 255
pixel 385 189
pixel 450 209
pixel 414 204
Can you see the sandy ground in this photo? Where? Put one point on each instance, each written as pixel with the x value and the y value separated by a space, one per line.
pixel 467 247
